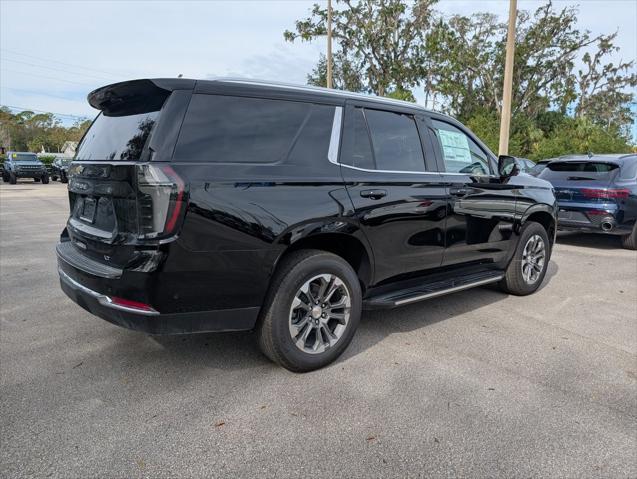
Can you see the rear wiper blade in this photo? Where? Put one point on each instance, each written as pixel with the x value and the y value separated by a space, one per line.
pixel 575 178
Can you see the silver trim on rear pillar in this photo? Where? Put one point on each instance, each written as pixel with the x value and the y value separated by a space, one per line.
pixel 335 138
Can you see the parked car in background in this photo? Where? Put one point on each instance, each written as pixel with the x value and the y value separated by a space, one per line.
pixel 596 194
pixel 539 167
pixel 60 168
pixel 23 165
pixel 237 205
pixel 525 165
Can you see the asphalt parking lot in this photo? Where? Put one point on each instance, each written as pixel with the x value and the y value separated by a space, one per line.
pixel 477 384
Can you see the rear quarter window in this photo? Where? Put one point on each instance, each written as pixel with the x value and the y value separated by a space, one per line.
pixel 228 129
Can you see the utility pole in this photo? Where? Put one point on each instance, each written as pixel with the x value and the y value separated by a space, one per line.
pixel 329 43
pixel 505 120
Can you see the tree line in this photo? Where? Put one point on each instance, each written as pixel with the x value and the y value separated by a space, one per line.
pixel 30 131
pixel 568 96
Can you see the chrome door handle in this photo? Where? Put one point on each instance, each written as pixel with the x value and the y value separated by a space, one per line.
pixel 459 191
pixel 374 194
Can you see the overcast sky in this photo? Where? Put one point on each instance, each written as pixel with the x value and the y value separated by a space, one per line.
pixel 54 52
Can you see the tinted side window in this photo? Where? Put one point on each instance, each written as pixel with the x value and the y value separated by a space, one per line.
pixel 313 142
pixel 460 153
pixel 395 141
pixel 226 129
pixel 356 150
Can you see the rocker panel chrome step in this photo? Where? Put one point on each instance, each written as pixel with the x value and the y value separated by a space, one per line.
pixel 402 297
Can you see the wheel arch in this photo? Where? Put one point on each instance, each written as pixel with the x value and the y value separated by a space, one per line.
pixel 544 215
pixel 349 244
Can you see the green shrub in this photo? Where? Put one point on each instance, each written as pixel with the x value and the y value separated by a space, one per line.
pixel 47 159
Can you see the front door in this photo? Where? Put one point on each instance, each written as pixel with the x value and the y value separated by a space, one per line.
pixel 480 204
pixel 400 205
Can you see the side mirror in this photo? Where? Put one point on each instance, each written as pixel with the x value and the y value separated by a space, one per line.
pixel 508 166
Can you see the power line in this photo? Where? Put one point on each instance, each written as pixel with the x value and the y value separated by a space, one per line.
pixel 57 69
pixel 52 112
pixel 48 77
pixel 117 75
pixel 36 92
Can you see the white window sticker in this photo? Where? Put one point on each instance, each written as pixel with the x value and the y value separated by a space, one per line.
pixel 455 146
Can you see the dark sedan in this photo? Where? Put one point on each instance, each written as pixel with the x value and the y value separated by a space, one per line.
pixel 596 194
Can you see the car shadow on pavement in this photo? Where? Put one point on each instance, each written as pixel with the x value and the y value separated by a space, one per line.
pixel 589 240
pixel 238 350
pixel 376 325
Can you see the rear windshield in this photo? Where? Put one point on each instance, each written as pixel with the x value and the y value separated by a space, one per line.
pixel 18 157
pixel 582 166
pixel 579 170
pixel 117 137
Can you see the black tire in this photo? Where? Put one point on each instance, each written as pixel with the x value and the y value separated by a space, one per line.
pixel 273 329
pixel 630 241
pixel 12 178
pixel 515 281
pixel 5 178
pixel 45 179
pixel 54 178
pixel 64 178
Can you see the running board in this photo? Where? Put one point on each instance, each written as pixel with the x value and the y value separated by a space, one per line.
pixel 414 294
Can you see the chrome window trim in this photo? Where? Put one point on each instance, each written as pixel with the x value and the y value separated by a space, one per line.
pixel 333 150
pixel 335 137
pixel 391 171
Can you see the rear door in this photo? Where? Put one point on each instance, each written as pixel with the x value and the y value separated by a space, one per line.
pixel 480 205
pixel 397 194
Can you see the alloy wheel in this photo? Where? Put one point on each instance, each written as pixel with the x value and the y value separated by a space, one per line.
pixel 319 313
pixel 533 259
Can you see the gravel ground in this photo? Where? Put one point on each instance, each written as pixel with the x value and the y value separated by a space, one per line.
pixel 477 384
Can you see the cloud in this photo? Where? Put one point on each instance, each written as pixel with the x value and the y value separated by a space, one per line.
pixel 83 45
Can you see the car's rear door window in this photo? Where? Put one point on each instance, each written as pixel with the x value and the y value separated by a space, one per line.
pixel 356 150
pixel 381 141
pixel 395 141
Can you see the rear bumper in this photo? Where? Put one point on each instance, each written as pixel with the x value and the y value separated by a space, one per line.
pixel 151 322
pixel 592 218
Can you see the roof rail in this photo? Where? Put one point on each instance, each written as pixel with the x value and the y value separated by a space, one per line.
pixel 318 89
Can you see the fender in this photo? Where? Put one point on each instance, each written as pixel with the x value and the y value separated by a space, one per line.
pixel 545 209
pixel 539 208
pixel 330 231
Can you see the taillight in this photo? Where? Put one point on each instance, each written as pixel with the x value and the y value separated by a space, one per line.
pixel 129 304
pixel 161 200
pixel 606 194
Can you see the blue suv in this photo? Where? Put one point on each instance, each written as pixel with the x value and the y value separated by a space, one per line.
pixel 23 165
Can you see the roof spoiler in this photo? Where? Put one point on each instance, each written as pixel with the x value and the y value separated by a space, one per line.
pixel 135 96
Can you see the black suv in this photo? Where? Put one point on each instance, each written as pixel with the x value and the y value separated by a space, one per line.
pixel 60 169
pixel 23 165
pixel 236 205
